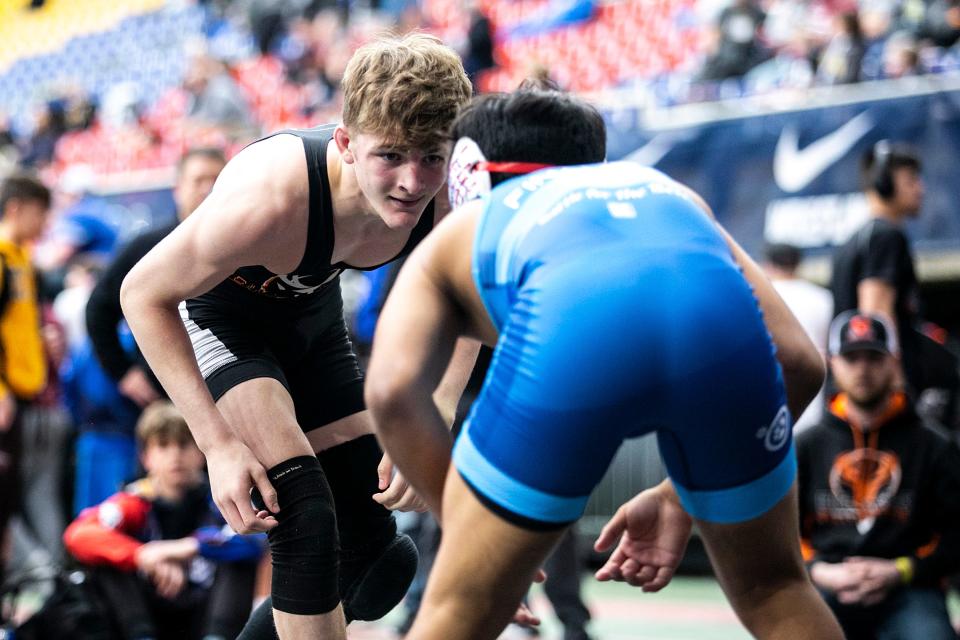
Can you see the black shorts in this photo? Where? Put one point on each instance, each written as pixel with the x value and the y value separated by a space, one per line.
pixel 302 343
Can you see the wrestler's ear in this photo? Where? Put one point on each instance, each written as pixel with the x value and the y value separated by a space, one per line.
pixel 342 138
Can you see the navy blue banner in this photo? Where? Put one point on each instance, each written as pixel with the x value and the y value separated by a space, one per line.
pixel 793 176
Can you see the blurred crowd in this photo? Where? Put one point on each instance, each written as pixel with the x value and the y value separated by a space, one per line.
pixel 255 67
pixel 258 66
pixel 762 45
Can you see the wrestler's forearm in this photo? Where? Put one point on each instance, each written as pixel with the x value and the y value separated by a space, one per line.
pixel 448 393
pixel 164 343
pixel 418 441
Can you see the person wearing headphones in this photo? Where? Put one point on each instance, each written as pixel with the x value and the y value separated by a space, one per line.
pixel 874 270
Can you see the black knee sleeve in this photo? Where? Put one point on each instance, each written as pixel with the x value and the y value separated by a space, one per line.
pixel 382 581
pixel 379 582
pixel 351 470
pixel 260 625
pixel 303 546
pixel 376 565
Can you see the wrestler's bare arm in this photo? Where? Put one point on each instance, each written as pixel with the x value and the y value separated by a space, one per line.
pixel 256 214
pixel 415 338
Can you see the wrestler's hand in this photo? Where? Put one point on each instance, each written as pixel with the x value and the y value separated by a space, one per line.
pixel 233 471
pixel 525 617
pixel 653 529
pixel 395 492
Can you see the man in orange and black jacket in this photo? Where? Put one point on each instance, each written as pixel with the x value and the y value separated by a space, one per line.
pixel 879 495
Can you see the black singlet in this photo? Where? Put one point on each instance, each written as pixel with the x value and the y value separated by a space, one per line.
pixel 315 270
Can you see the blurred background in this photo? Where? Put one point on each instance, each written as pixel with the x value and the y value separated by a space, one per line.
pixel 763 106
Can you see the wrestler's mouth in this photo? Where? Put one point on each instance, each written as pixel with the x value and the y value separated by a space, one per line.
pixel 406 202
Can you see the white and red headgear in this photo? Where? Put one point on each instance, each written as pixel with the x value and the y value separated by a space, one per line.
pixel 468 177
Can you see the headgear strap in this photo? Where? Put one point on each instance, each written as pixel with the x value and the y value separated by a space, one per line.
pixel 469 172
pixel 510 167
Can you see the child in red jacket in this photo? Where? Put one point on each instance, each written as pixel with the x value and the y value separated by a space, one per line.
pixel 161 553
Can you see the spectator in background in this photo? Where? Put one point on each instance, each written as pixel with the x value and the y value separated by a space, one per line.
pixel 305 54
pixel 49 125
pixel 874 270
pixel 786 20
pixel 875 21
pixel 164 559
pixel 841 60
pixel 9 153
pixel 24 206
pixel 81 110
pixel 737 41
pixel 213 98
pixel 105 451
pixel 107 381
pixel 811 304
pixel 84 225
pixel 268 22
pixel 941 25
pixel 790 68
pixel 69 306
pixel 46 429
pixel 479 54
pixel 6 133
pixel 901 56
pixel 196 172
pixel 879 495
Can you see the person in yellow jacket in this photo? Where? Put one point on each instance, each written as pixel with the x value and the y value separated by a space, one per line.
pixel 24 206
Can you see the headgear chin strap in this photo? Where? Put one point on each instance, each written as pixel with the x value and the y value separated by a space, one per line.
pixel 469 174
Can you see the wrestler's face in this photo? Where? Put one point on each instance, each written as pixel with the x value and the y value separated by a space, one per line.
pixel 398 182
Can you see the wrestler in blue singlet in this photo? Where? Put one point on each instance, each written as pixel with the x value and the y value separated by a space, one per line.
pixel 620 312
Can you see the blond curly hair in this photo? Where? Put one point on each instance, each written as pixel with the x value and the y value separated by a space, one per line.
pixel 406 89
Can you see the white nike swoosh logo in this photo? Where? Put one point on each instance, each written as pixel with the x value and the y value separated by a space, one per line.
pixel 794 169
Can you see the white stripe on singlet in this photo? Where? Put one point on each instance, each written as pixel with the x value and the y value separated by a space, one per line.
pixel 210 352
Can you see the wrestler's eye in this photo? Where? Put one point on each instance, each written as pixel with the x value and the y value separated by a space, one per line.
pixel 390 156
pixel 435 159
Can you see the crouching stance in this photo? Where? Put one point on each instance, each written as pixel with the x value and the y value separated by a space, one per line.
pixel 617 307
pixel 240 315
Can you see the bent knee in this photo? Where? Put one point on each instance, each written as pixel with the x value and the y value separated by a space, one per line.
pixel 303 546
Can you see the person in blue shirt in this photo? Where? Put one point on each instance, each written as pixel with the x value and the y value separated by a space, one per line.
pixel 618 307
pixel 106 450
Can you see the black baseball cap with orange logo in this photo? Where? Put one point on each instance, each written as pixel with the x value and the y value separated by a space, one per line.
pixel 858 331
